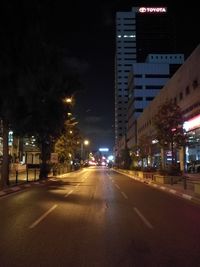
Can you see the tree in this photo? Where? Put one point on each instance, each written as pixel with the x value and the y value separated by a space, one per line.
pixel 123 160
pixel 168 124
pixel 68 144
pixel 34 80
pixel 145 147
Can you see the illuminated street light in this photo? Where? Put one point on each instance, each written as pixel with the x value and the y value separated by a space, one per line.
pixel 84 143
pixel 68 100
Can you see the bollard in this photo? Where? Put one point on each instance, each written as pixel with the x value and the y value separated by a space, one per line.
pixel 185 182
pixel 16 177
pixel 27 174
pixel 35 174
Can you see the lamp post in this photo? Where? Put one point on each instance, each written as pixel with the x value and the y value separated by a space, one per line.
pixel 83 143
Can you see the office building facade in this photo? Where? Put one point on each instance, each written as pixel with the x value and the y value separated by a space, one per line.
pixel 138 33
pixel 184 89
pixel 145 82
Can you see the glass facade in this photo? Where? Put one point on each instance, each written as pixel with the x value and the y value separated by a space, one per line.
pixel 193 151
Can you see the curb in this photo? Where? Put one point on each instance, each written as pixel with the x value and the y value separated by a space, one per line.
pixel 25 185
pixel 20 187
pixel 164 188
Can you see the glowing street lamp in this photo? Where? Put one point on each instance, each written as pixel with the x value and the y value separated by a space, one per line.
pixel 68 100
pixel 84 143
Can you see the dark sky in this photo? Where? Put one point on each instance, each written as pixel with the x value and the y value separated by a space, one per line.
pixel 86 31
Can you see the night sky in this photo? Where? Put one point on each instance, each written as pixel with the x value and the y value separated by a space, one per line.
pixel 86 31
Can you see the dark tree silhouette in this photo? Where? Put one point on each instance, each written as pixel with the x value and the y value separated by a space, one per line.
pixel 34 79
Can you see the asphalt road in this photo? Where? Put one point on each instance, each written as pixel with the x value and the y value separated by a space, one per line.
pixel 97 217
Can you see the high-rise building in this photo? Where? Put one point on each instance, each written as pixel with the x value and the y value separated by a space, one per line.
pixel 145 81
pixel 139 32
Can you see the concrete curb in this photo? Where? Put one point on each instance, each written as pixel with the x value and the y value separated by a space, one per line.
pixel 20 187
pixel 25 185
pixel 163 188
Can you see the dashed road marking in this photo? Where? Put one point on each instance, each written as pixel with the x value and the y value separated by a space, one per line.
pixel 42 217
pixel 116 185
pixel 124 195
pixel 146 222
pixel 71 191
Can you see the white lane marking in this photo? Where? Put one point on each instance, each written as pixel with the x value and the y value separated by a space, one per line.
pixel 186 196
pixel 162 187
pixel 2 193
pixel 42 217
pixel 71 191
pixel 124 195
pixel 109 176
pixel 148 224
pixel 155 185
pixel 117 186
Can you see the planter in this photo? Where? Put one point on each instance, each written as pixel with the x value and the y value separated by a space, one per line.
pixel 166 179
pixel 197 188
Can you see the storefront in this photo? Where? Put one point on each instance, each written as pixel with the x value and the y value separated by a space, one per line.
pixel 192 128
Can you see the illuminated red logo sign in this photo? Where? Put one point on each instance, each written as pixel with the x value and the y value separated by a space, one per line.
pixel 152 9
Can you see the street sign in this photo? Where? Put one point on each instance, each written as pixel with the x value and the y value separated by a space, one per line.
pixel 54 157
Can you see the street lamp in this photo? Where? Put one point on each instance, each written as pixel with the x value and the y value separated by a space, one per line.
pixel 86 142
pixel 83 143
pixel 68 100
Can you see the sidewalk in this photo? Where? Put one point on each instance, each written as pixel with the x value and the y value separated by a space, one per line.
pixel 179 189
pixel 33 180
pixel 19 187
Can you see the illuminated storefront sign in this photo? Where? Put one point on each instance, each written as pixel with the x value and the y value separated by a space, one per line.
pixel 192 124
pixel 153 10
pixel 103 149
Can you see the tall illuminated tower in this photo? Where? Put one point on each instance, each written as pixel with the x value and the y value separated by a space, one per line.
pixel 139 32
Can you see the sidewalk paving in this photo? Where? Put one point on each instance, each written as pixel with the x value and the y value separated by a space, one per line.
pixel 24 184
pixel 177 189
pixel 13 188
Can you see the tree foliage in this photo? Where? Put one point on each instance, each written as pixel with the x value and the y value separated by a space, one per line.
pixel 69 144
pixel 145 147
pixel 168 123
pixel 34 78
